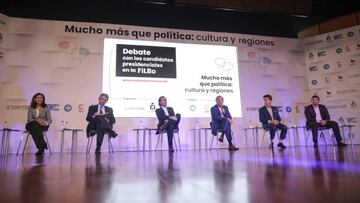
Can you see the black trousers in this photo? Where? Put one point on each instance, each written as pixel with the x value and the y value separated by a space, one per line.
pixel 273 128
pixel 36 131
pixel 102 126
pixel 330 124
pixel 170 127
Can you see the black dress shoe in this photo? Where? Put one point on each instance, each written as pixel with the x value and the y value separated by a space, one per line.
pixel 45 146
pixel 171 149
pixel 40 152
pixel 341 144
pixel 271 146
pixel 316 145
pixel 281 145
pixel 233 147
pixel 221 138
pixel 114 135
pixel 97 151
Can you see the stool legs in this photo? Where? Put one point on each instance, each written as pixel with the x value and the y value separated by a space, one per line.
pixel 160 141
pixel 90 141
pixel 88 146
pixel 18 149
pixel 47 141
pixel 26 140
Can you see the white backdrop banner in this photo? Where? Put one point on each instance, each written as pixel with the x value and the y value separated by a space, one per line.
pixel 65 61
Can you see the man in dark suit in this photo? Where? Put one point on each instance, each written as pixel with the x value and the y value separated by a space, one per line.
pixel 168 121
pixel 221 120
pixel 270 119
pixel 101 120
pixel 317 116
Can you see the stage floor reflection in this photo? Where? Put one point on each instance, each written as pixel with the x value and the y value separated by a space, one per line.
pixel 302 174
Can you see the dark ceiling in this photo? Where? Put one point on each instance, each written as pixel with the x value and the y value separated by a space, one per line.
pixel 264 17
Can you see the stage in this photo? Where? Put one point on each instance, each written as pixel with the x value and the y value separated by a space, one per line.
pixel 297 174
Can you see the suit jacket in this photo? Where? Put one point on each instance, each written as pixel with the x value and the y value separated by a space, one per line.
pixel 44 114
pixel 90 119
pixel 160 114
pixel 265 116
pixel 311 115
pixel 216 118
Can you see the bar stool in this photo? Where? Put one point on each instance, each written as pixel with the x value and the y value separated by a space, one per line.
pixel 26 140
pixel 160 139
pixel 74 139
pixel 265 131
pixel 6 139
pixel 90 140
pixel 217 139
pixel 322 135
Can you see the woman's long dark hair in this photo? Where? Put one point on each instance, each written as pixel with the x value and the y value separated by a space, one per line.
pixel 33 103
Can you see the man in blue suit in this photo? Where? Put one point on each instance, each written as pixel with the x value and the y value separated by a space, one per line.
pixel 221 120
pixel 270 119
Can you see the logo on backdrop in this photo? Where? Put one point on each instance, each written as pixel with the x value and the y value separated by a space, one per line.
pixel 314 82
pixel 327 80
pixel 326 66
pixel 352 62
pixel 67 107
pixel 71 48
pixel 347 48
pixel 352 120
pixel 280 108
pixel 252 108
pixel 223 64
pixel 328 38
pixel 311 55
pixel 341 119
pixel 288 109
pixel 192 108
pixel 321 53
pixel 328 94
pixel 338 36
pixel 357 46
pixel 313 68
pixel 260 61
pixel 339 50
pixel 353 104
pixel 81 108
pixel 297 109
pixel 152 106
pixel 339 64
pixel 340 78
pixel 350 34
pixel 54 107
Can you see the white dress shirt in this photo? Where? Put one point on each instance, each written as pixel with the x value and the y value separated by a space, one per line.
pixel 165 110
pixel 318 114
pixel 270 112
pixel 221 113
pixel 101 107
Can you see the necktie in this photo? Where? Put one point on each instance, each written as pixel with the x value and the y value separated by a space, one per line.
pixel 101 110
pixel 222 111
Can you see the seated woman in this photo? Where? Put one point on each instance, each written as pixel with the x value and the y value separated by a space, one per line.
pixel 168 121
pixel 39 119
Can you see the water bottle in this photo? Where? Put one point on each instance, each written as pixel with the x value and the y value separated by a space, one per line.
pixel 62 126
pixel 141 126
pixel 250 126
pixel 197 126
